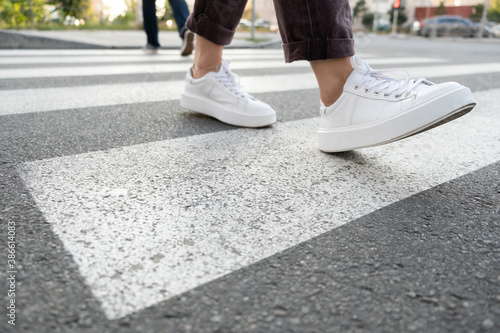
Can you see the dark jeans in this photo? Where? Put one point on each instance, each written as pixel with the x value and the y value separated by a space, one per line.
pixel 310 29
pixel 180 11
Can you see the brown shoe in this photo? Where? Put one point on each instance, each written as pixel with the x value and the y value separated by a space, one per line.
pixel 187 43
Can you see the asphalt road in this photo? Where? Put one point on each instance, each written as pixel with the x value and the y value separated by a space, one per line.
pixel 129 214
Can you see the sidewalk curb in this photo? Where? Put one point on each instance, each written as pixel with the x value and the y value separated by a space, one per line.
pixel 17 40
pixel 20 40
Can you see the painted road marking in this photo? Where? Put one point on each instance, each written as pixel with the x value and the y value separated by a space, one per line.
pixel 181 66
pixel 52 99
pixel 134 52
pixel 148 222
pixel 116 60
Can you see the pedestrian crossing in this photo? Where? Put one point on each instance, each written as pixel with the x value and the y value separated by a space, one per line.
pixel 46 99
pixel 175 66
pixel 147 222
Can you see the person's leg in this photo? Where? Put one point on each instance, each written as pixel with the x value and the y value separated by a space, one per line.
pixel 211 88
pixel 215 25
pixel 315 30
pixel 181 12
pixel 331 75
pixel 216 20
pixel 150 22
pixel 207 58
pixel 322 34
pixel 360 107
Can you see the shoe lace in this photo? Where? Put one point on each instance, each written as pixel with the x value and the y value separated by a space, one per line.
pixel 230 80
pixel 379 82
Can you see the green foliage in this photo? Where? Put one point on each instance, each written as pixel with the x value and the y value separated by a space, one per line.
pixel 168 14
pixel 21 13
pixel 494 12
pixel 441 9
pixel 129 18
pixel 359 8
pixel 34 13
pixel 494 15
pixel 477 13
pixel 402 17
pixel 72 8
pixel 368 20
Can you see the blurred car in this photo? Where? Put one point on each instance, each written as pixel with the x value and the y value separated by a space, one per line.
pixel 244 23
pixel 448 25
pixel 412 28
pixel 416 28
pixel 383 27
pixel 260 23
pixel 495 31
pixel 492 29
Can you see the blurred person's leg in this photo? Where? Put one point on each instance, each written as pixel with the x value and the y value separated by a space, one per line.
pixel 181 12
pixel 150 22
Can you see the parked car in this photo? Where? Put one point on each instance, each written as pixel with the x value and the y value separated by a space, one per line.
pixel 261 23
pixel 448 25
pixel 412 28
pixel 492 29
pixel 495 31
pixel 244 23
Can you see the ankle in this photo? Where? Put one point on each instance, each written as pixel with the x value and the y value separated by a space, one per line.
pixel 330 92
pixel 198 72
pixel 331 98
pixel 207 58
pixel 331 75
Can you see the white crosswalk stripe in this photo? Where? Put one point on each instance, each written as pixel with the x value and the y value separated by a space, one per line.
pixel 150 221
pixel 46 99
pixel 176 66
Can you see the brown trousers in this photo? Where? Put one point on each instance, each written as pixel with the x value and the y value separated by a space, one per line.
pixel 310 29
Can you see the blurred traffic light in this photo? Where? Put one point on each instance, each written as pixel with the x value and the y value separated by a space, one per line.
pixel 397 3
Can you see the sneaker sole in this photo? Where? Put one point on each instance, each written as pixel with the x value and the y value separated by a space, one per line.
pixel 150 52
pixel 413 122
pixel 187 44
pixel 225 115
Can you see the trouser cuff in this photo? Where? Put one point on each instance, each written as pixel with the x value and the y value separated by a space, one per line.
pixel 204 27
pixel 318 48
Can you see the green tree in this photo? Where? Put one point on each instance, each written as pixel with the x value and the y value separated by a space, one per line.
pixel 21 13
pixel 367 20
pixel 168 14
pixel 402 17
pixel 73 8
pixel 359 8
pixel 477 13
pixel 129 17
pixel 441 9
pixel 494 12
pixel 492 15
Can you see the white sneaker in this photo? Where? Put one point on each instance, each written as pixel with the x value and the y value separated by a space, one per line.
pixel 219 95
pixel 375 109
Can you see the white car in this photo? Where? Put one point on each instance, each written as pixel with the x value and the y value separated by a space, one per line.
pixel 244 23
pixel 495 31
